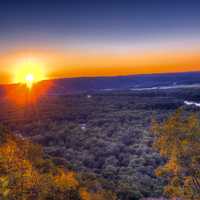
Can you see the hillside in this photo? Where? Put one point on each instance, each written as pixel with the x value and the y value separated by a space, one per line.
pixel 105 135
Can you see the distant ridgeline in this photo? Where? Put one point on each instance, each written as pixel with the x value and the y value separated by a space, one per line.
pixel 131 82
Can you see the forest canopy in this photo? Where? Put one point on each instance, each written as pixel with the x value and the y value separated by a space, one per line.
pixel 178 141
pixel 25 174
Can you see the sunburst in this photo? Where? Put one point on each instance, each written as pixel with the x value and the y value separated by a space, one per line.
pixel 29 72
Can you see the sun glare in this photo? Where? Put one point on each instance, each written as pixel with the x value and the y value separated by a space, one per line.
pixel 29 72
pixel 29 80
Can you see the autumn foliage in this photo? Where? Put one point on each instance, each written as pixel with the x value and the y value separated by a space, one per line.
pixel 178 141
pixel 25 174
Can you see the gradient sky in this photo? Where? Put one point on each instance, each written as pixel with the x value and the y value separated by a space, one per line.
pixel 97 38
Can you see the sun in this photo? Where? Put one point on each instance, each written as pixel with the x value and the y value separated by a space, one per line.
pixel 29 72
pixel 29 80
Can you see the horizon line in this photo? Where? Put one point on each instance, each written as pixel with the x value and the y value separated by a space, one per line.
pixel 108 76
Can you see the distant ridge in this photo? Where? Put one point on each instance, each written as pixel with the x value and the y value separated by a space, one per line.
pixel 130 82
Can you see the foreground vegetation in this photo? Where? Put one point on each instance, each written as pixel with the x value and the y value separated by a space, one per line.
pixel 105 139
pixel 26 175
pixel 178 140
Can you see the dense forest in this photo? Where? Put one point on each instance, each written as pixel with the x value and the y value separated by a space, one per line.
pixel 25 173
pixel 113 145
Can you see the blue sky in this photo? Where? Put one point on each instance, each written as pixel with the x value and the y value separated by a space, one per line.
pixel 79 23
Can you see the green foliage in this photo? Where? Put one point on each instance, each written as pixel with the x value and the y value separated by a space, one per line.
pixel 178 140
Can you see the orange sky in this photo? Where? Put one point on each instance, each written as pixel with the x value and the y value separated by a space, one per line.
pixel 77 63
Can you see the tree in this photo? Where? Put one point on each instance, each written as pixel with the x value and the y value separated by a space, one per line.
pixel 25 174
pixel 178 141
